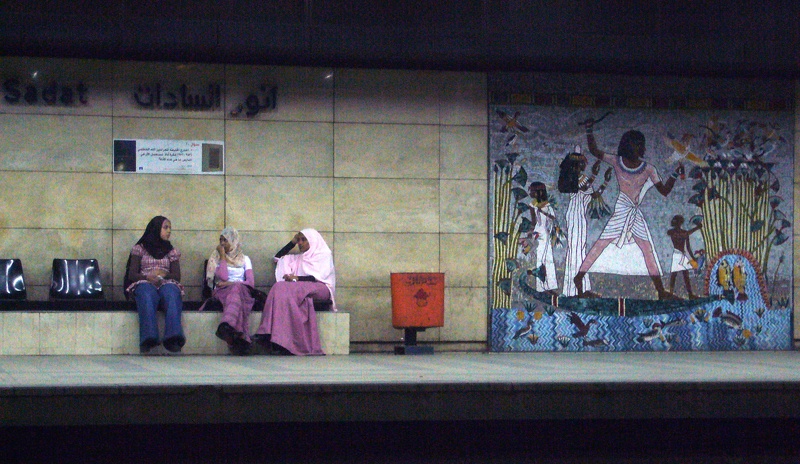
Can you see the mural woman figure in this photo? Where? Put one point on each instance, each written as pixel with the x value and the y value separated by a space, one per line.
pixel 632 251
pixel 571 180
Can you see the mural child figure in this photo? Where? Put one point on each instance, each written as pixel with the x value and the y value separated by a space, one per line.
pixel 683 259
pixel 573 181
pixel 632 250
pixel 543 217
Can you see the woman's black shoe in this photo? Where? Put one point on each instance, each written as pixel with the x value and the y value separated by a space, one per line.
pixel 174 344
pixel 240 347
pixel 226 332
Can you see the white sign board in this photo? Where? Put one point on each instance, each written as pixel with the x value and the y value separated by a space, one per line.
pixel 169 156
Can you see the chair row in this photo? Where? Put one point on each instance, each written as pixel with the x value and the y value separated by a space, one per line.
pixel 73 279
pixel 70 279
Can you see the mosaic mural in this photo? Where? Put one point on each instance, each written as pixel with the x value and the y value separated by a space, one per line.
pixel 639 223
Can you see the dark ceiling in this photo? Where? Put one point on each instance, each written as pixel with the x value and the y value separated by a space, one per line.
pixel 701 37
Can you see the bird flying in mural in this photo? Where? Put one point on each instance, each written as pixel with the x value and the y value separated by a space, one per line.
pixel 581 328
pixel 510 123
pixel 681 150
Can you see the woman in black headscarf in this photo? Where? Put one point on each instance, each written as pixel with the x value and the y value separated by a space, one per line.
pixel 152 279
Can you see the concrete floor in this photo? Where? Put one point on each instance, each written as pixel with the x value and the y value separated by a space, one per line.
pixel 450 407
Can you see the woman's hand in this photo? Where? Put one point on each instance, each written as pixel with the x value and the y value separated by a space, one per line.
pixel 223 283
pixel 156 277
pixel 296 238
pixel 290 277
pixel 221 250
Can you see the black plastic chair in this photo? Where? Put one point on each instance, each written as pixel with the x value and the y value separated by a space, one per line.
pixel 12 280
pixel 76 279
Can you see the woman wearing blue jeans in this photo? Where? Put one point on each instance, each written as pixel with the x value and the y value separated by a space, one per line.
pixel 153 279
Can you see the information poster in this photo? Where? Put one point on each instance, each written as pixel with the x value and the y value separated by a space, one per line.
pixel 169 156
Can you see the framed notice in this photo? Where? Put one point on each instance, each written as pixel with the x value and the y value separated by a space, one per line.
pixel 169 156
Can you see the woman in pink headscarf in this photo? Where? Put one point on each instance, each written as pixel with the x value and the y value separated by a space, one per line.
pixel 289 323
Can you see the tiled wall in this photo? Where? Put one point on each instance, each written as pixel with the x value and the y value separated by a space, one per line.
pixel 389 165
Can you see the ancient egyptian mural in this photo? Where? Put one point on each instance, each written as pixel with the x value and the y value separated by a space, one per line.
pixel 657 218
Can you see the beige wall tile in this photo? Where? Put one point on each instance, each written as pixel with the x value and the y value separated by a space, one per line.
pixel 387 150
pixel 464 259
pixel 303 94
pixel 57 333
pixel 464 152
pixel 279 148
pixel 370 311
pixel 367 260
pixel 465 315
pixel 199 328
pixel 463 206
pixel 190 202
pixel 89 80
pixel 20 333
pixel 132 79
pixel 38 247
pixel 55 200
pixel 387 96
pixel 55 143
pixel 464 98
pixel 279 203
pixel 169 129
pixel 387 205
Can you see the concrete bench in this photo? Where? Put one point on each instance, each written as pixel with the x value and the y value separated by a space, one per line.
pixel 112 327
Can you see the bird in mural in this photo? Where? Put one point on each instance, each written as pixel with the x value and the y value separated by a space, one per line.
pixel 681 150
pixel 581 328
pixel 732 320
pixel 739 278
pixel 524 331
pixel 650 335
pixel 510 123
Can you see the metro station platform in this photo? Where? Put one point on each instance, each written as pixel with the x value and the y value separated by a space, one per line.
pixel 92 390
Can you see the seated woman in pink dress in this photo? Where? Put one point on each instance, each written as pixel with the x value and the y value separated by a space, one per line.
pixel 288 323
pixel 230 273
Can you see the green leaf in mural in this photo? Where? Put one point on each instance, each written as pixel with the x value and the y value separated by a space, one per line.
pixel 775 201
pixel 502 236
pixel 755 226
pixel 519 193
pixel 778 215
pixel 782 224
pixel 700 186
pixel 521 177
pixel 696 220
pixel 505 286
pixel 512 157
pixel 779 238
pixel 511 265
pixel 525 225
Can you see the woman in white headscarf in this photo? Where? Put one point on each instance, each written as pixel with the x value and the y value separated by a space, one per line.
pixel 289 320
pixel 230 273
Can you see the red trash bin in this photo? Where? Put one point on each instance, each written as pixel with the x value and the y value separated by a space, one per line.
pixel 417 303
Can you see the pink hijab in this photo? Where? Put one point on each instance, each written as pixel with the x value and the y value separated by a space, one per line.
pixel 317 262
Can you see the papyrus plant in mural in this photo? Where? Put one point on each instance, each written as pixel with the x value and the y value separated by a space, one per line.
pixel 639 229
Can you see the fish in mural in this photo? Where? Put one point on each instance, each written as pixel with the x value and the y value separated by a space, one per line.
pixel 730 319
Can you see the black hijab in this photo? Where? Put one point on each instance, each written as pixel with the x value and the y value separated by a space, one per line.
pixel 151 239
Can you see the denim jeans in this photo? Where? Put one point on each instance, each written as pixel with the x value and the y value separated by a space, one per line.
pixel 148 298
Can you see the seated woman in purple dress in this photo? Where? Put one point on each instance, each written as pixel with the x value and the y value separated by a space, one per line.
pixel 230 273
pixel 288 323
pixel 153 279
